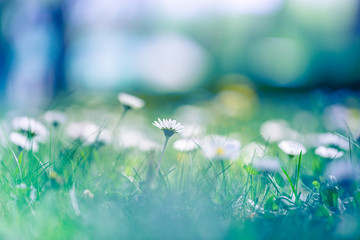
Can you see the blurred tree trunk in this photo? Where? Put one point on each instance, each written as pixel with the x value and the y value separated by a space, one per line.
pixel 4 60
pixel 60 84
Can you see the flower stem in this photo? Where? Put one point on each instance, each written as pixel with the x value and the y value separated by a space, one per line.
pixel 272 180
pixel 162 154
pixel 122 115
pixel 223 173
pixel 117 125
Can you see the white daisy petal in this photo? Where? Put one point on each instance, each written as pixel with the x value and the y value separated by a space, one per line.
pixel 130 101
pixel 169 126
pixel 292 148
pixel 220 147
pixel 55 118
pixel 88 133
pixel 328 152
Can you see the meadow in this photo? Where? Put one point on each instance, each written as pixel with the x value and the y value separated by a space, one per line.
pixel 235 164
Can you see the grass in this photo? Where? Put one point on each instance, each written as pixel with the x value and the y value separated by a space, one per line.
pixel 44 194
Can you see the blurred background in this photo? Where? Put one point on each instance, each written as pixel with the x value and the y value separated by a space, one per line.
pixel 52 47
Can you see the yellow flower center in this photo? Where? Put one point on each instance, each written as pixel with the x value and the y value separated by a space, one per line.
pixel 220 151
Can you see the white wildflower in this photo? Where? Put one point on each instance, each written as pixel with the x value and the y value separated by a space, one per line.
pixel 23 142
pixel 88 133
pixel 130 101
pixel 292 148
pixel 31 128
pixel 220 147
pixel 328 152
pixel 330 139
pixel 277 130
pixel 168 126
pixel 99 138
pixel 55 118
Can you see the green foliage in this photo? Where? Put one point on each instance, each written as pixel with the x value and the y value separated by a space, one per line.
pixel 251 170
pixel 68 190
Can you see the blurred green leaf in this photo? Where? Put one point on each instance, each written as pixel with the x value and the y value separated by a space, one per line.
pixel 271 204
pixel 251 170
pixel 316 184
pixel 330 197
pixel 357 197
pixel 322 211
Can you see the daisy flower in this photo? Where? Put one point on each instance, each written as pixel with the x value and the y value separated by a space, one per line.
pixel 55 118
pixel 88 133
pixel 220 147
pixel 277 130
pixel 23 142
pixel 130 101
pixel 31 128
pixel 100 138
pixel 292 148
pixel 169 126
pixel 267 164
pixel 185 145
pixel 330 139
pixel 328 152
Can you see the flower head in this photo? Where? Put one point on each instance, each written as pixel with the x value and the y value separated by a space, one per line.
pixel 292 148
pixel 130 101
pixel 168 126
pixel 88 133
pixel 330 139
pixel 185 145
pixel 23 142
pixel 100 138
pixel 220 147
pixel 31 128
pixel 328 152
pixel 55 118
pixel 277 130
